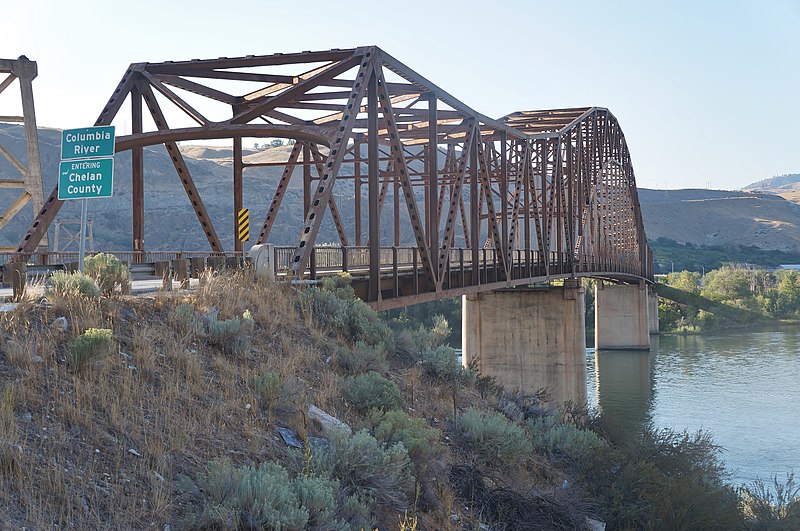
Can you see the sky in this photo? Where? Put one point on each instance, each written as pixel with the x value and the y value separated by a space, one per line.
pixel 707 92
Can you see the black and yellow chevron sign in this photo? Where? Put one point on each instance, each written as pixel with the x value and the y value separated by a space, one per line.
pixel 243 218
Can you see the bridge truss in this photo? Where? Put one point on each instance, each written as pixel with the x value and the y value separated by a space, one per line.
pixel 28 174
pixel 473 202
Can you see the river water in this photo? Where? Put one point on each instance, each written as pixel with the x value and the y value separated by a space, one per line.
pixel 743 387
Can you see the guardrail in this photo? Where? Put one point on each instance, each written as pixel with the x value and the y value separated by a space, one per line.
pixel 400 268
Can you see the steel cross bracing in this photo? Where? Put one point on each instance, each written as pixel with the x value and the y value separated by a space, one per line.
pixel 28 176
pixel 473 203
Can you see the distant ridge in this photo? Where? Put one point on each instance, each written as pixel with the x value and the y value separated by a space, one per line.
pixel 765 214
pixel 789 181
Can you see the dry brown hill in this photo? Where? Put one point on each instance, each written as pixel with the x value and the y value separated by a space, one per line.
pixel 720 217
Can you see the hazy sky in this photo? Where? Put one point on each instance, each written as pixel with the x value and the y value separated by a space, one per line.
pixel 707 93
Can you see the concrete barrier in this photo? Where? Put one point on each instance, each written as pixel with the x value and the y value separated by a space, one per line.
pixel 263 258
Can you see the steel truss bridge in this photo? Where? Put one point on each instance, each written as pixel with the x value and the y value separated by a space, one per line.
pixel 472 203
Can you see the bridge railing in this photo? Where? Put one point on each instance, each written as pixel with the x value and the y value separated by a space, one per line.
pixel 70 257
pixel 400 268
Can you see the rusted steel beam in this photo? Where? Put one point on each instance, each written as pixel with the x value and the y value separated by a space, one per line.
pixel 238 200
pixel 310 133
pixel 251 61
pixel 137 175
pixel 182 170
pixel 485 180
pixel 455 198
pixel 179 102
pixel 293 92
pixel 334 160
pixel 432 227
pixel 401 167
pixel 280 191
pixel 200 90
pixel 337 218
pixel 372 185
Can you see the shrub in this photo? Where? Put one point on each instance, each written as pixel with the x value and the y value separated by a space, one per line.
pixel 366 469
pixel 231 335
pixel 671 478
pixel 185 316
pixel 398 427
pixel 92 344
pixel 442 363
pixel 562 438
pixel 362 358
pixel 492 438
pixel 371 391
pixel 335 306
pixel 109 272
pixel 265 497
pixel 259 497
pixel 774 507
pixel 221 332
pixel 63 284
pixel 267 385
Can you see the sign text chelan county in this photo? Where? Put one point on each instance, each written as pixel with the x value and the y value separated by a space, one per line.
pixel 89 178
pixel 87 166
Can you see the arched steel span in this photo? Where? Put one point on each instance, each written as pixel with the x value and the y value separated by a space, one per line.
pixel 473 202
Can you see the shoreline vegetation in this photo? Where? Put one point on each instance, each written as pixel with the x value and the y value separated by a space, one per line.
pixel 726 298
pixel 244 405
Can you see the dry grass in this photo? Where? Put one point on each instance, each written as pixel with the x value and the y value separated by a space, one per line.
pixel 104 447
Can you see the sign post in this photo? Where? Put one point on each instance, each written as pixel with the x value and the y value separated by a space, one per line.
pixel 86 171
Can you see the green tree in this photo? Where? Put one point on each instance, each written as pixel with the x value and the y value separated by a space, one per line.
pixel 786 298
pixel 688 281
pixel 727 284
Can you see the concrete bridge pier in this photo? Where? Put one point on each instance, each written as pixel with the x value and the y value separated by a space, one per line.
pixel 621 316
pixel 529 339
pixel 652 310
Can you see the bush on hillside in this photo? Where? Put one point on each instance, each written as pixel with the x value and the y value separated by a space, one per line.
pixel 108 271
pixel 491 438
pixel 94 343
pixel 264 497
pixel 230 335
pixel 268 386
pixel 776 506
pixel 63 284
pixel 396 426
pixel 556 438
pixel 335 307
pixel 367 469
pixel 362 358
pixel 371 391
pixel 662 476
pixel 442 363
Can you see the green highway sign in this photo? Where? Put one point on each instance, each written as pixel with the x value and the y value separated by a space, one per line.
pixel 87 142
pixel 86 179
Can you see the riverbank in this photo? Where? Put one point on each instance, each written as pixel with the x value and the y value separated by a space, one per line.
pixel 739 386
pixel 243 405
pixel 727 298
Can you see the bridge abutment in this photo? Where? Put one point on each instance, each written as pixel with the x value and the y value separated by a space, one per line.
pixel 529 339
pixel 621 316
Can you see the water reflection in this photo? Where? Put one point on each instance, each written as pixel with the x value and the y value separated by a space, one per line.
pixel 740 386
pixel 624 387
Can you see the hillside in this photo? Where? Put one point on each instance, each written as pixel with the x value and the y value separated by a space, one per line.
pixel 242 405
pixel 720 217
pixel 787 182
